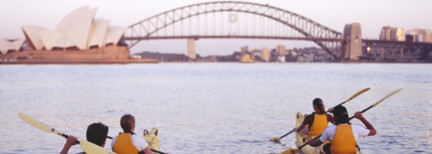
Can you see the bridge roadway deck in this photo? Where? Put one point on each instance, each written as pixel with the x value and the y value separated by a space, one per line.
pixel 235 37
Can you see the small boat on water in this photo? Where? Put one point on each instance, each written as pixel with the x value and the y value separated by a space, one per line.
pixel 152 138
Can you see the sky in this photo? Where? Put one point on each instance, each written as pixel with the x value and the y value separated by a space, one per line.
pixel 371 14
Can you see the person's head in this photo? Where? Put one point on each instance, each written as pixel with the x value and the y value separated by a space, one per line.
pixel 318 105
pixel 340 114
pixel 97 133
pixel 127 122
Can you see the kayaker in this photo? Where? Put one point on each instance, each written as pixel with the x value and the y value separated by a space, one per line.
pixel 128 142
pixel 96 133
pixel 317 121
pixel 343 135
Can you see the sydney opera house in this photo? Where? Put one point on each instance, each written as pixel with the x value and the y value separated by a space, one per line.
pixel 78 38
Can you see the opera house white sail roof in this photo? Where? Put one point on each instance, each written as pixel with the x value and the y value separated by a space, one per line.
pixel 78 30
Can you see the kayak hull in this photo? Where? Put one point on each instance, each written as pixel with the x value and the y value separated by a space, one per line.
pixel 152 138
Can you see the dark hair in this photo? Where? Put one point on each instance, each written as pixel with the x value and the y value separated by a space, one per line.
pixel 127 121
pixel 318 103
pixel 341 114
pixel 97 133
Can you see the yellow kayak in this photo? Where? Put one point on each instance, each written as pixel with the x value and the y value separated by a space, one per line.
pixel 152 138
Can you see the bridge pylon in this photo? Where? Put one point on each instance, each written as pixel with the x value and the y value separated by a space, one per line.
pixel 191 53
pixel 353 47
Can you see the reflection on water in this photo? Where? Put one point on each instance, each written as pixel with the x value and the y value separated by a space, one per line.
pixel 210 107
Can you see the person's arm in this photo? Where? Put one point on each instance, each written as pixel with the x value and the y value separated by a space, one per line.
pixel 305 122
pixel 71 141
pixel 297 129
pixel 147 150
pixel 330 118
pixel 315 143
pixel 324 137
pixel 368 125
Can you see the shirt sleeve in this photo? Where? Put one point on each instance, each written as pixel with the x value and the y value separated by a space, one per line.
pixel 361 131
pixel 139 142
pixel 113 140
pixel 325 135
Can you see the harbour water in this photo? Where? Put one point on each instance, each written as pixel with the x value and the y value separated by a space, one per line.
pixel 212 107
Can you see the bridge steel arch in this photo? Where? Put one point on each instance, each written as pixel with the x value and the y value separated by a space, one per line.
pixel 328 39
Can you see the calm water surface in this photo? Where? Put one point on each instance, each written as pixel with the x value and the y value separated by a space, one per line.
pixel 212 107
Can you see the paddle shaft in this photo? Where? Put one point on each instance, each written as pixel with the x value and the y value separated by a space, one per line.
pixel 352 97
pixel 287 134
pixel 352 117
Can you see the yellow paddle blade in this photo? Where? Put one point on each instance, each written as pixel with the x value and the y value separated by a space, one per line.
pixel 290 151
pixel 356 94
pixel 91 148
pixel 38 124
pixel 275 139
pixel 394 92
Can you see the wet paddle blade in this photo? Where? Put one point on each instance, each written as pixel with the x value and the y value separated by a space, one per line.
pixel 290 151
pixel 394 92
pixel 38 124
pixel 91 148
pixel 356 94
pixel 275 139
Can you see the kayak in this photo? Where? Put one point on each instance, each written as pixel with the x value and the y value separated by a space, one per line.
pixel 303 138
pixel 152 138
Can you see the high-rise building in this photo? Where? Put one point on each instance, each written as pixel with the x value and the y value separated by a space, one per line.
pixel 280 50
pixel 399 34
pixel 420 35
pixel 244 49
pixel 392 34
pixel 265 54
pixel 386 32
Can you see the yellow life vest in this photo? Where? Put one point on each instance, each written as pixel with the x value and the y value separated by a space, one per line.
pixel 319 124
pixel 343 141
pixel 123 144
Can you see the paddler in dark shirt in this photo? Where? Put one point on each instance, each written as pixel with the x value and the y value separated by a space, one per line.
pixel 96 133
pixel 317 121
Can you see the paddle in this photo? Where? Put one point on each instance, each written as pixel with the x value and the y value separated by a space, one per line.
pixel 293 150
pixel 277 139
pixel 88 147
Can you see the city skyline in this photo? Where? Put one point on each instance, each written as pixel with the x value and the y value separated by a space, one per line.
pixel 333 14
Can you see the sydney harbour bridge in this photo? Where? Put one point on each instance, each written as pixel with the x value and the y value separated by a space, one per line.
pixel 247 20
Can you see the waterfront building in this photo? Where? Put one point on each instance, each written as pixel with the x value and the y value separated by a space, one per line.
pixel 389 33
pixel 77 30
pixel 265 54
pixel 399 34
pixel 386 32
pixel 13 45
pixel 77 38
pixel 280 50
pixel 244 49
pixel 419 35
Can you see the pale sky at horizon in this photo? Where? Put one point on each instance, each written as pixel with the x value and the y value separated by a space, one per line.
pixel 371 14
